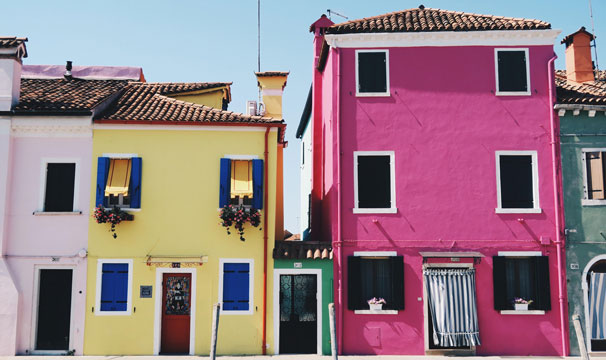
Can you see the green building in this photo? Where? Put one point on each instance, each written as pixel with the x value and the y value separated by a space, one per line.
pixel 581 106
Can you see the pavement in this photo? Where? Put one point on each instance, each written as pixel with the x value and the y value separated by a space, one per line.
pixel 287 357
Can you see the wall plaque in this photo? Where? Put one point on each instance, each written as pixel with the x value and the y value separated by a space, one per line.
pixel 145 291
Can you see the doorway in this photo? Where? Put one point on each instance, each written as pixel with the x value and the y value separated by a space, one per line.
pixel 54 310
pixel 176 313
pixel 298 318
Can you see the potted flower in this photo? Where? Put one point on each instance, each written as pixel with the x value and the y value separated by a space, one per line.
pixel 376 303
pixel 237 216
pixel 521 304
pixel 113 216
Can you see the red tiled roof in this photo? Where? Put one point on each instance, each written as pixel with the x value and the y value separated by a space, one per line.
pixel 145 102
pixel 302 250
pixel 590 93
pixel 427 19
pixel 272 73
pixel 61 95
pixel 11 41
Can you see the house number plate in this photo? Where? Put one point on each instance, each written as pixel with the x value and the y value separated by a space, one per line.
pixel 176 265
pixel 145 291
pixel 298 265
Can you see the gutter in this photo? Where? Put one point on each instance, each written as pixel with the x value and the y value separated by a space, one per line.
pixel 579 107
pixel 265 195
pixel 337 101
pixel 46 113
pixel 559 218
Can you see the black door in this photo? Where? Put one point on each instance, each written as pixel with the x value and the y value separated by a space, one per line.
pixel 298 314
pixel 54 308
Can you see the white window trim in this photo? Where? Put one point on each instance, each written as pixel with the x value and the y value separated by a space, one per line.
pixel 276 298
pixel 241 157
pixel 586 201
pixel 371 94
pixel 121 156
pixel 251 283
pixel 42 192
pixel 522 312
pixel 520 253
pixel 535 183
pixel 496 69
pixel 375 253
pixel 392 168
pixel 129 297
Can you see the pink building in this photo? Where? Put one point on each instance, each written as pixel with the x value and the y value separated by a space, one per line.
pixel 436 177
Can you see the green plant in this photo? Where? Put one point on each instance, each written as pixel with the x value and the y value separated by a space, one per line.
pixel 113 216
pixel 237 216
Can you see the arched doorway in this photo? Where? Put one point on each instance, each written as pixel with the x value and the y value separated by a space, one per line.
pixel 594 287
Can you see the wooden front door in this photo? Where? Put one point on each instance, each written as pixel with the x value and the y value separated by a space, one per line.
pixel 298 314
pixel 176 311
pixel 54 309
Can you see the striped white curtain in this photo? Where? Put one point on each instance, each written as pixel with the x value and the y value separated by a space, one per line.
pixel 597 299
pixel 452 299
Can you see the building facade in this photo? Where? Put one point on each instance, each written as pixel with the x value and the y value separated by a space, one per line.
pixel 582 111
pixel 435 172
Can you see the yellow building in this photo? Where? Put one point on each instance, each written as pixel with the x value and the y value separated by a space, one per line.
pixel 172 164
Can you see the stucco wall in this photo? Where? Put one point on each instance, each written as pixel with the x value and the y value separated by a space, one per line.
pixel 585 241
pixel 444 123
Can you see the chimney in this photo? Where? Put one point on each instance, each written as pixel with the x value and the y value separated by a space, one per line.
pixel 272 84
pixel 68 70
pixel 12 50
pixel 579 67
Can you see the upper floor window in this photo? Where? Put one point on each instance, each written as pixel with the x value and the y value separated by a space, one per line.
pixel 517 182
pixel 241 182
pixel 59 187
pixel 593 188
pixel 119 182
pixel 372 73
pixel 374 182
pixel 512 72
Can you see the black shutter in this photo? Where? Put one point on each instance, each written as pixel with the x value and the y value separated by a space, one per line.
pixel 397 281
pixel 353 283
pixel 60 179
pixel 542 299
pixel 499 284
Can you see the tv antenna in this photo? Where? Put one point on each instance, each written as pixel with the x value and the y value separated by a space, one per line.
pixel 330 12
pixel 595 47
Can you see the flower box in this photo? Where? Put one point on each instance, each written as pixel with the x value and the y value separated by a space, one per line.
pixel 521 307
pixel 112 216
pixel 376 306
pixel 237 216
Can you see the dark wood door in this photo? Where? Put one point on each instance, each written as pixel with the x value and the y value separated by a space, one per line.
pixel 298 314
pixel 176 311
pixel 54 309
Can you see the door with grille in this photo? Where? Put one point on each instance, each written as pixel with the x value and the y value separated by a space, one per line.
pixel 298 314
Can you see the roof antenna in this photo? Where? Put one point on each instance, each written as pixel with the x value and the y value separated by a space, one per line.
pixel 595 47
pixel 259 43
pixel 330 12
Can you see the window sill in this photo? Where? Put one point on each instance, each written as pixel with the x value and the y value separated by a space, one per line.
pixel 517 211
pixel 513 93
pixel 56 213
pixel 376 312
pixel 236 312
pixel 592 202
pixel 522 312
pixel 375 211
pixel 130 209
pixel 369 94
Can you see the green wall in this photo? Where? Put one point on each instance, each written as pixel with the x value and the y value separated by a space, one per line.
pixel 327 293
pixel 589 222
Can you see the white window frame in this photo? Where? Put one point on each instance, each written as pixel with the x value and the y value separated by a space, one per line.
pixel 393 209
pixel 371 94
pixel 535 183
pixel 241 157
pixel 42 192
pixel 496 69
pixel 114 156
pixel 129 297
pixel 520 254
pixel 251 283
pixel 377 254
pixel 586 201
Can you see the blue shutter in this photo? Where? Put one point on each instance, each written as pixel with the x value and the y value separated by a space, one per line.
pixel 102 171
pixel 225 188
pixel 236 286
pixel 257 202
pixel 135 183
pixel 114 287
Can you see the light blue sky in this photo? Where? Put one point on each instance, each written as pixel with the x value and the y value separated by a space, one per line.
pixel 185 40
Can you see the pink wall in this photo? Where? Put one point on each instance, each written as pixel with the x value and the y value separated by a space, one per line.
pixel 444 123
pixel 33 240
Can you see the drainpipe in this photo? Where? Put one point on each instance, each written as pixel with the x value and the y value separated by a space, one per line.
pixel 555 158
pixel 265 201
pixel 337 115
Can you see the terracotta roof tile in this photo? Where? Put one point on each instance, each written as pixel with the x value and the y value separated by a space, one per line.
pixel 590 93
pixel 427 19
pixel 147 102
pixel 11 41
pixel 61 95
pixel 272 73
pixel 303 250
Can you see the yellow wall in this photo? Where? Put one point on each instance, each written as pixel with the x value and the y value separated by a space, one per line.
pixel 179 217
pixel 213 98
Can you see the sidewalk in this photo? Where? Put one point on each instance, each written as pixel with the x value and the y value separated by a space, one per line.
pixel 286 357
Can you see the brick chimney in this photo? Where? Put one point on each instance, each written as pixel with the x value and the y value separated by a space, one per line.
pixel 272 85
pixel 579 67
pixel 12 50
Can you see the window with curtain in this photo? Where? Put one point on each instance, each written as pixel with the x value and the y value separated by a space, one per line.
pixel 521 277
pixel 119 182
pixel 241 183
pixel 594 179
pixel 380 277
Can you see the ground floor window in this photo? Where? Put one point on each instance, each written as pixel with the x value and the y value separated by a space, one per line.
pixel 521 277
pixel 375 277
